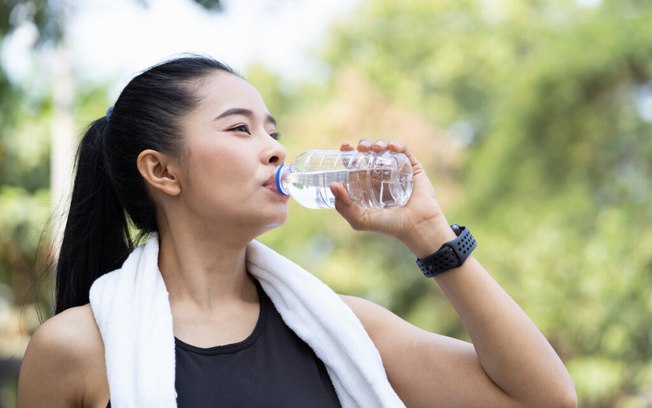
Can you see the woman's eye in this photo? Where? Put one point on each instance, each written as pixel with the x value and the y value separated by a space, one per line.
pixel 275 135
pixel 240 128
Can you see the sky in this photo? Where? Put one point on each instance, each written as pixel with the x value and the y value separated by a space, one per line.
pixel 114 39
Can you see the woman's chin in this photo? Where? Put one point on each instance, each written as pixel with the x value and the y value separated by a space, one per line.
pixel 275 221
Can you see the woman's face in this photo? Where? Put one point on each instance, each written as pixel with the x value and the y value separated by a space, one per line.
pixel 230 154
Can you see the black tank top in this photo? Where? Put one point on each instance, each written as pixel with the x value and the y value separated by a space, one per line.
pixel 270 368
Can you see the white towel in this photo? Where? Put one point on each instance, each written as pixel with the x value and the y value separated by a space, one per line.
pixel 132 309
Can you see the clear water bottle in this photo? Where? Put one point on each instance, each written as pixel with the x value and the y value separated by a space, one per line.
pixel 373 180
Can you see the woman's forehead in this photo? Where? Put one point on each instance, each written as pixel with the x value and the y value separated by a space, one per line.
pixel 227 90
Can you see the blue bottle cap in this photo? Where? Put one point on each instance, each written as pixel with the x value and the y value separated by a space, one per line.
pixel 279 187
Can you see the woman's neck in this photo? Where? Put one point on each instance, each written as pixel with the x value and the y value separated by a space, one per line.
pixel 201 270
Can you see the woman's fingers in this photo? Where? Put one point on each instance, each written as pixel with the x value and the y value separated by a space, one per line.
pixel 351 212
pixel 346 147
pixel 379 146
pixel 364 145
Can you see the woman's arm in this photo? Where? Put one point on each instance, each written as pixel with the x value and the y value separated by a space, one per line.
pixel 509 364
pixel 64 364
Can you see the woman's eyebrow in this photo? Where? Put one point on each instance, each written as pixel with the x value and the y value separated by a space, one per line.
pixel 244 112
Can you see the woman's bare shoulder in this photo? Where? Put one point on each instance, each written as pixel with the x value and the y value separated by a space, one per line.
pixel 72 332
pixel 63 356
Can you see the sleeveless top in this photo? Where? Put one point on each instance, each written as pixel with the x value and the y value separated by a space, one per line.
pixel 271 368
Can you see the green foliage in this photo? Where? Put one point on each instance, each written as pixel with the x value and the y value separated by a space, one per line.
pixel 22 217
pixel 50 17
pixel 210 5
pixel 279 93
pixel 25 147
pixel 45 15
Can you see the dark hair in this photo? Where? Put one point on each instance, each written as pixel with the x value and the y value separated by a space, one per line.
pixel 109 193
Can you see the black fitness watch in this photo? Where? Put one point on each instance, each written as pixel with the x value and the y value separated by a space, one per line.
pixel 451 255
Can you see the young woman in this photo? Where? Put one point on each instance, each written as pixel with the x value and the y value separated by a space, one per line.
pixel 187 155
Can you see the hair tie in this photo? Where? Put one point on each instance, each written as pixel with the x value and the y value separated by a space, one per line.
pixel 109 112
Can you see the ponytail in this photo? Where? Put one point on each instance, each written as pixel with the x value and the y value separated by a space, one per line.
pixel 96 238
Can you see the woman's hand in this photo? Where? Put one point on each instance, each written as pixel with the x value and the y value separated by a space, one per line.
pixel 420 224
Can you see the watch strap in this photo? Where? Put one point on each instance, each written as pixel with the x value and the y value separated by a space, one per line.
pixel 451 255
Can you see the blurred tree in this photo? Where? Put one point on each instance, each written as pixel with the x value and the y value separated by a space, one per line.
pixel 553 100
pixel 46 15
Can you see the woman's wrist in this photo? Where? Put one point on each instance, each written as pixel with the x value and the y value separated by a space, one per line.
pixel 426 237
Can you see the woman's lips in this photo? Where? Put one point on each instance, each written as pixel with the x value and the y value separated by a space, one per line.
pixel 270 184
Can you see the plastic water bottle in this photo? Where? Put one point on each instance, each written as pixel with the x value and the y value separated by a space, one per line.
pixel 372 180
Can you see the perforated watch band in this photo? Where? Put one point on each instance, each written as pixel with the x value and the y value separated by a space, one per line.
pixel 451 255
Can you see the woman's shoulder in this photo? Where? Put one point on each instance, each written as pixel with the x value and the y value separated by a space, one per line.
pixel 68 342
pixel 72 332
pixel 385 328
pixel 375 318
pixel 64 360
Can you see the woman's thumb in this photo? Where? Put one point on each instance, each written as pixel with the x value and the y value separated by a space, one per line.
pixel 344 205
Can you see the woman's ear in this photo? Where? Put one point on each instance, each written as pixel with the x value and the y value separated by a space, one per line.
pixel 158 171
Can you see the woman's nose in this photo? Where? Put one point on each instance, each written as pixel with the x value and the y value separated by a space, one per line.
pixel 276 154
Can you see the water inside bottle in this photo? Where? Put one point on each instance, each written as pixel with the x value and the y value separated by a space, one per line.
pixel 369 188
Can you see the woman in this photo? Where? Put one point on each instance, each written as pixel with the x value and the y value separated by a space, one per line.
pixel 188 152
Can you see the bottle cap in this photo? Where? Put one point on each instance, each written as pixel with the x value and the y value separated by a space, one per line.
pixel 279 185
